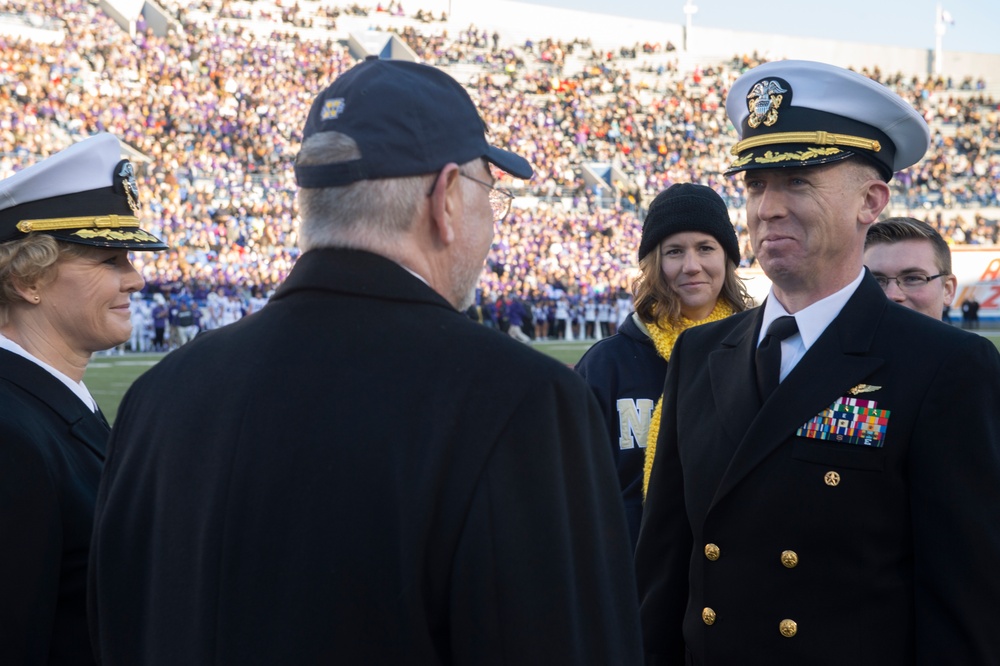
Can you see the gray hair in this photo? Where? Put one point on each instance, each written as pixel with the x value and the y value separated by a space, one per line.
pixel 367 214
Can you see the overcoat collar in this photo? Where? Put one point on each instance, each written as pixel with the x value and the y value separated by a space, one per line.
pixel 837 361
pixel 357 272
pixel 91 428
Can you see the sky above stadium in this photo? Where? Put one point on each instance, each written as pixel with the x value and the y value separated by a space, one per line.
pixel 908 23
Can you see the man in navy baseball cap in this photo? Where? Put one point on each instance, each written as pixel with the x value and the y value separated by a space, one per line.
pixel 423 489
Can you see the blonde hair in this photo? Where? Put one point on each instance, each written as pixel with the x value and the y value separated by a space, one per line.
pixel 27 262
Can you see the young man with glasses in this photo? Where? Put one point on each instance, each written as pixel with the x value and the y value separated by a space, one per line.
pixel 912 263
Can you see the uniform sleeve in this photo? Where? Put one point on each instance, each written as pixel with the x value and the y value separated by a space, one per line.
pixel 955 505
pixel 663 552
pixel 30 554
pixel 543 571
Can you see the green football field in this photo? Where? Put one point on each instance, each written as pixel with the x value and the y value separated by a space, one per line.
pixel 108 377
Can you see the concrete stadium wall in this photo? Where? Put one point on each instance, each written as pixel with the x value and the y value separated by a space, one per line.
pixel 22 27
pixel 158 19
pixel 890 59
pixel 383 44
pixel 518 21
pixel 123 12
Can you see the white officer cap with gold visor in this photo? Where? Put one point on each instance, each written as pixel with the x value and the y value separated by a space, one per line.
pixel 795 113
pixel 85 194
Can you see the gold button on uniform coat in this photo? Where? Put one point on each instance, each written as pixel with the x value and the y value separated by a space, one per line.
pixel 712 551
pixel 708 616
pixel 788 628
pixel 789 558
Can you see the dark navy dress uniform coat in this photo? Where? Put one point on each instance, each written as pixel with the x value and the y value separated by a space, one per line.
pixel 360 474
pixel 51 452
pixel 762 546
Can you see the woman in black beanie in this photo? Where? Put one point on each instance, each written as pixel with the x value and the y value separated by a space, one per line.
pixel 687 260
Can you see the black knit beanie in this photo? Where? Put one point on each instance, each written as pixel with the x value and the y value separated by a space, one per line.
pixel 688 207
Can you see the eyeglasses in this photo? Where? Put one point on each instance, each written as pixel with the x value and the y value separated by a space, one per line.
pixel 499 198
pixel 911 282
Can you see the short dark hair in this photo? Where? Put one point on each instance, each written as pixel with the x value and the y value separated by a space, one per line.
pixel 896 229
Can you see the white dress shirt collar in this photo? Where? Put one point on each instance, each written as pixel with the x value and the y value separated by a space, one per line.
pixel 814 319
pixel 78 388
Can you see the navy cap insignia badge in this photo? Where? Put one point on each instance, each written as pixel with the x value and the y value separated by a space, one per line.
pixel 125 182
pixel 332 108
pixel 763 101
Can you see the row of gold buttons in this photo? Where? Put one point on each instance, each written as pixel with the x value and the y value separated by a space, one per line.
pixel 788 628
pixel 789 558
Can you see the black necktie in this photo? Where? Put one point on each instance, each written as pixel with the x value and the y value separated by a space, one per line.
pixel 768 357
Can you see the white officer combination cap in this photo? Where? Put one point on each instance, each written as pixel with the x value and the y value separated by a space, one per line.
pixel 85 194
pixel 794 113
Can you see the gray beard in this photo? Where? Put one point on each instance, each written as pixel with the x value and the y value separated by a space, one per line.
pixel 467 300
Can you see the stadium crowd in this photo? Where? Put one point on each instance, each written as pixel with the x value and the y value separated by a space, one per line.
pixel 212 113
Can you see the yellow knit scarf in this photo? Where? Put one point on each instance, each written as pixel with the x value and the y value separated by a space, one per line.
pixel 664 336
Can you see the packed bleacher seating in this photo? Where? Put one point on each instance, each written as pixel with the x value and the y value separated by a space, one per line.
pixel 213 114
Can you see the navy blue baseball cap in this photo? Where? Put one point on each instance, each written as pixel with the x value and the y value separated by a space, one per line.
pixel 408 119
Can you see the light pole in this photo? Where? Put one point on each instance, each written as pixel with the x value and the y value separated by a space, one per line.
pixel 689 11
pixel 941 23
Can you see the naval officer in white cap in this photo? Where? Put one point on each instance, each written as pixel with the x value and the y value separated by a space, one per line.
pixel 67 224
pixel 827 486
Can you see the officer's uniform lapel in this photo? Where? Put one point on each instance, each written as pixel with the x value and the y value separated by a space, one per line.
pixel 90 428
pixel 734 380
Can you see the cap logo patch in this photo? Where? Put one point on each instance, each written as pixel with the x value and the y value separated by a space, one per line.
pixel 763 101
pixel 125 180
pixel 332 108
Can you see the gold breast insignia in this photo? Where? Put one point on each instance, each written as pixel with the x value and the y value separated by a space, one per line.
pixel 863 388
